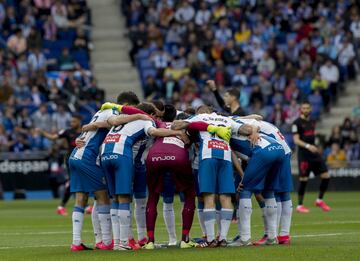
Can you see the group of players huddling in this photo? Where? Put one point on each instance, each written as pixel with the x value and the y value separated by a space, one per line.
pixel 134 152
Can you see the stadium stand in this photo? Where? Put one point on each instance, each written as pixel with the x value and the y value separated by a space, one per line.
pixel 45 70
pixel 277 52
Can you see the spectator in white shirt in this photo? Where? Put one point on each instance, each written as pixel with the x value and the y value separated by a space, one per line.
pixel 185 13
pixel 346 55
pixel 203 15
pixel 355 29
pixel 223 33
pixel 37 61
pixel 61 118
pixel 330 73
pixel 161 60
pixel 266 65
pixel 257 51
pixel 42 119
pixel 239 78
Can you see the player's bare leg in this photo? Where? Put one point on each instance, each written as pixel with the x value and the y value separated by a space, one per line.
pixel 301 192
pixel 325 178
pixel 103 210
pixel 78 220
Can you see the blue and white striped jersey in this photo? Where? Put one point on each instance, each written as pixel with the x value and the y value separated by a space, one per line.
pixel 120 139
pixel 243 145
pixel 268 129
pixel 93 139
pixel 211 146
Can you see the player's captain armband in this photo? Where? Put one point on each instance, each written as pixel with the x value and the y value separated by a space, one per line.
pixel 174 141
pixel 294 128
pixel 217 144
pixel 112 138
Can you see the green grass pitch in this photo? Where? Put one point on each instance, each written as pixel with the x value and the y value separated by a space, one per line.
pixel 30 230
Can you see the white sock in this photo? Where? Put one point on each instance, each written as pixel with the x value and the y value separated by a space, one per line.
pixel 263 215
pixel 140 217
pixel 278 216
pixel 209 221
pixel 218 221
pixel 96 224
pixel 226 217
pixel 271 217
pixel 245 211
pixel 202 221
pixel 105 223
pixel 115 223
pixel 131 234
pixel 286 215
pixel 124 221
pixel 238 220
pixel 169 218
pixel 77 221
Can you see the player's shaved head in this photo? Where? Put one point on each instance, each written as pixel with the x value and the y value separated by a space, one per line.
pixel 169 113
pixel 204 109
pixel 147 108
pixel 128 98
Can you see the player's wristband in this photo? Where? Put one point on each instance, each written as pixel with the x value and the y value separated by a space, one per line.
pixel 307 146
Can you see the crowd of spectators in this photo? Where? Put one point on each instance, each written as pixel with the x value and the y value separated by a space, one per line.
pixel 44 70
pixel 277 53
pixel 343 145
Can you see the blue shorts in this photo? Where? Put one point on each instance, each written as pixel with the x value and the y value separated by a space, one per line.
pixel 262 170
pixel 285 176
pixel 216 176
pixel 86 176
pixel 139 181
pixel 119 173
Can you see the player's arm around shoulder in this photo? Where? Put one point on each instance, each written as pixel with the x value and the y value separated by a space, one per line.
pixel 179 125
pixel 252 117
pixel 123 119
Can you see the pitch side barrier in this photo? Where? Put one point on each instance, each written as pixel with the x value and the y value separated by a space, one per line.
pixel 31 171
pixel 24 171
pixel 342 179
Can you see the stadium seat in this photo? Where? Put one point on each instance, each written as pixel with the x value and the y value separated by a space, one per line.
pixel 82 58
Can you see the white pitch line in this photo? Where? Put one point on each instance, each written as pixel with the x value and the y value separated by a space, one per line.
pixel 163 228
pixel 326 235
pixel 294 236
